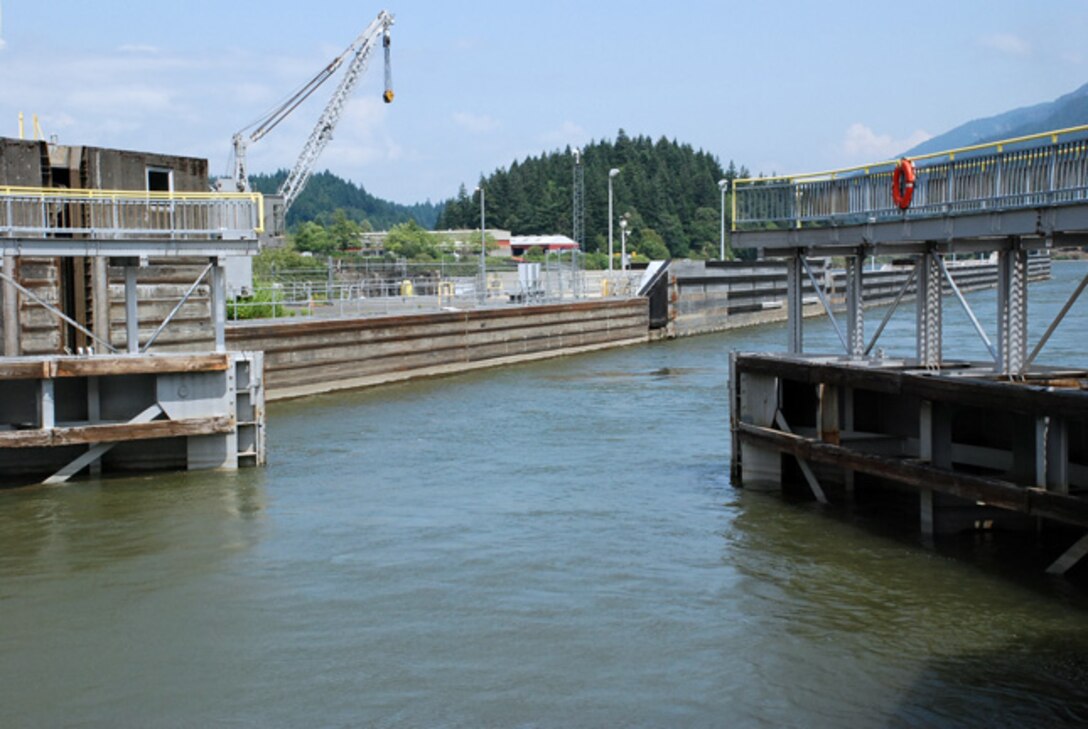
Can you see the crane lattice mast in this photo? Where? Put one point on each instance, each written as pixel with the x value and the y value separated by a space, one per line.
pixel 322 132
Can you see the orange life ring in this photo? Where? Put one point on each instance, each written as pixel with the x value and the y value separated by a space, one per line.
pixel 903 183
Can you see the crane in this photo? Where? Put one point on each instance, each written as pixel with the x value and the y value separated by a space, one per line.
pixel 359 53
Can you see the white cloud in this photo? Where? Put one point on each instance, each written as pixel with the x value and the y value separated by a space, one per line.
pixel 2 44
pixel 191 105
pixel 137 48
pixel 362 137
pixel 129 98
pixel 1007 43
pixel 862 144
pixel 477 124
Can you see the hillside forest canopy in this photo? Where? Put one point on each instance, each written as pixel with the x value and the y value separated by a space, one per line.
pixel 667 191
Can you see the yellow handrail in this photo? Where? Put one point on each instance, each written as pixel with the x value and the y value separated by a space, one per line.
pixel 951 153
pixel 61 193
pixel 126 194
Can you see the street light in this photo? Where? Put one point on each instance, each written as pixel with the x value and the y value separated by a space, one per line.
pixel 611 173
pixel 623 243
pixel 483 247
pixel 723 185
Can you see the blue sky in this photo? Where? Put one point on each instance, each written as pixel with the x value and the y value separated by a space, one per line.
pixel 777 86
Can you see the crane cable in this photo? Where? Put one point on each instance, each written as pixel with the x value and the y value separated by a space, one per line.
pixel 271 119
pixel 388 95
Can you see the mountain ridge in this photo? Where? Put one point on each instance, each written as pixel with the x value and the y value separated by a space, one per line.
pixel 1068 110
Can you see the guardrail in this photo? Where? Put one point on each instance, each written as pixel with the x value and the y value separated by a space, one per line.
pixel 43 213
pixel 1039 170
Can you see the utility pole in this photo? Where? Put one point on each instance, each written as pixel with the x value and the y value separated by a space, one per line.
pixel 611 173
pixel 483 248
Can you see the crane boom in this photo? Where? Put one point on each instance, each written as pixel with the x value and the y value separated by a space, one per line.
pixel 322 132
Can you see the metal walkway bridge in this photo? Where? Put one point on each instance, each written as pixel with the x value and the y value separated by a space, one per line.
pixel 1010 197
pixel 1000 444
pixel 124 227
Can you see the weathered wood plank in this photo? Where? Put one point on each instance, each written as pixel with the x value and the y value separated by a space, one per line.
pixel 151 364
pixel 106 433
pixel 910 473
pixel 1003 494
pixel 35 369
pixel 47 367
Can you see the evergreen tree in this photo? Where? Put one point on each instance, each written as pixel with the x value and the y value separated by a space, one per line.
pixel 668 189
pixel 325 194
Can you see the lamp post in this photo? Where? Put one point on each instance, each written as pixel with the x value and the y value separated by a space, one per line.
pixel 483 247
pixel 723 185
pixel 611 173
pixel 623 243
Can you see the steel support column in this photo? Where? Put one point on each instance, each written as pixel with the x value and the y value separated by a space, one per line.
pixel 11 310
pixel 100 300
pixel 795 305
pixel 1056 464
pixel 1012 308
pixel 935 447
pixel 855 318
pixel 219 304
pixel 928 304
pixel 132 317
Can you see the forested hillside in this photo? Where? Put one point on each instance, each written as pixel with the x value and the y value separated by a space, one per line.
pixel 669 190
pixel 326 193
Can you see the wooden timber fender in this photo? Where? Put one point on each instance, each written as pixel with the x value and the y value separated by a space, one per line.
pixel 305 357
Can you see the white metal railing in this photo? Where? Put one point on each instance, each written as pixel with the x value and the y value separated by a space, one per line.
pixel 1026 172
pixel 119 215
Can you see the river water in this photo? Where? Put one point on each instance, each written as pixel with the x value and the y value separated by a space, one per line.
pixel 549 545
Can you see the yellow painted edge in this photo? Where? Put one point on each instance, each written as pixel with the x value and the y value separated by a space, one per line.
pixel 84 194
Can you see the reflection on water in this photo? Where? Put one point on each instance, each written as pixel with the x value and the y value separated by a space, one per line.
pixel 1030 681
pixel 60 530
pixel 552 544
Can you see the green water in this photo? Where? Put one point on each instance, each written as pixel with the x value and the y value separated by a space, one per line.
pixel 547 545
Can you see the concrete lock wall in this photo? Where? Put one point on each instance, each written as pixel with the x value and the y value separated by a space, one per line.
pixel 307 357
pixel 712 296
pixel 21 162
pixel 113 169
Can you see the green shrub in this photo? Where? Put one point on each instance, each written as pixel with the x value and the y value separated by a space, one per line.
pixel 265 303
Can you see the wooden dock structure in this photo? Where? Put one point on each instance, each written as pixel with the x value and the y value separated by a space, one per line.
pixel 1000 444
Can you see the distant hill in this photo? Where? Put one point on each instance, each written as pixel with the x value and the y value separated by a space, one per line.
pixel 326 193
pixel 1066 111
